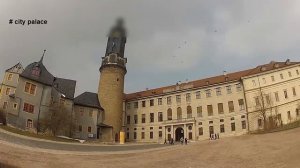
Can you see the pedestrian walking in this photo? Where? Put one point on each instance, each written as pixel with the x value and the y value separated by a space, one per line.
pixel 185 140
pixel 215 136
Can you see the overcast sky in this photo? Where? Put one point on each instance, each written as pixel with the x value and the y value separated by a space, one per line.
pixel 168 41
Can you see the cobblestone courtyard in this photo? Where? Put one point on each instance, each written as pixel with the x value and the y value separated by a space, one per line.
pixel 280 149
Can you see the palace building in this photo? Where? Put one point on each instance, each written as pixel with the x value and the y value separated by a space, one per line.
pixel 231 104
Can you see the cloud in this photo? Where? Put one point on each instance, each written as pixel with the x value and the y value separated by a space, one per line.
pixel 167 40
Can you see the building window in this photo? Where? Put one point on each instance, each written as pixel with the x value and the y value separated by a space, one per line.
pixel 221 120
pixel 294 91
pixel 199 111
pixel 143 103
pixel 7 92
pixel 253 83
pixel 151 135
pixel 232 126
pixel 151 117
pixel 79 128
pixel 91 113
pixel 81 111
pixel 281 76
pixel 15 105
pixel 210 110
pixel 290 74
pixel 297 71
pixel 30 88
pixel 218 91
pixel 228 89
pixel 9 77
pixel 89 129
pixel 143 118
pixel 160 134
pixel 143 135
pixel 134 135
pixel 243 116
pixel 128 105
pixel 244 124
pixel 179 113
pixel 189 111
pixel 128 119
pixel 273 78
pixel 188 97
pixel 169 100
pixel 198 95
pixel 259 122
pixel 28 108
pixel 241 104
pixel 169 114
pixel 264 80
pixel 159 101
pixel 222 128
pixel 135 117
pixel 152 102
pixel 208 93
pixel 297 112
pixel 210 122
pixel 231 106
pixel 200 130
pixel 289 115
pixel 160 116
pixel 238 87
pixel 257 102
pixel 35 71
pixel 127 135
pixel 285 94
pixel 29 123
pixel 5 105
pixel 220 108
pixel 276 97
pixel 178 99
pixel 268 99
pixel 136 104
pixel 200 123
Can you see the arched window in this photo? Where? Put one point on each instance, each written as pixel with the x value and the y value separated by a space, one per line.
pixel 189 111
pixel 179 113
pixel 169 114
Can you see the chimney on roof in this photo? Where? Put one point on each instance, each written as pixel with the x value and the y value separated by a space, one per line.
pixel 287 62
pixel 224 73
pixel 147 88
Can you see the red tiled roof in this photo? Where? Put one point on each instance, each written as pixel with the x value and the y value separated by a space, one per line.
pixel 212 80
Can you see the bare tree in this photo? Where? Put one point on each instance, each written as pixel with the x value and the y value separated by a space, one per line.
pixel 59 120
pixel 265 110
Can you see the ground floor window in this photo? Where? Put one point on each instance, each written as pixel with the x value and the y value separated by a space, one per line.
pixel 134 135
pixel 232 126
pixel 243 124
pixel 222 128
pixel 151 135
pixel 127 135
pixel 89 129
pixel 79 128
pixel 29 123
pixel 143 135
pixel 160 134
pixel 259 123
pixel 200 131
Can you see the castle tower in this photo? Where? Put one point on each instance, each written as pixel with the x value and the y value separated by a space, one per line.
pixel 111 84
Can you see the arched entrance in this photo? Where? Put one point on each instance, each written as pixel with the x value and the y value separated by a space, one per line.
pixel 179 133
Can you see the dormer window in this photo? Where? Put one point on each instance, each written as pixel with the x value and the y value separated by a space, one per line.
pixel 36 71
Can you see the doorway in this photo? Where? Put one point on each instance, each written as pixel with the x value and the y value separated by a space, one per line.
pixel 116 137
pixel 179 133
